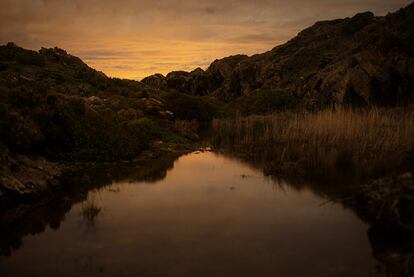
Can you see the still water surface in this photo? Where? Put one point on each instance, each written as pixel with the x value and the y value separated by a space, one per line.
pixel 210 216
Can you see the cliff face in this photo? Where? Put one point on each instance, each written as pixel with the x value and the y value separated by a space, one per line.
pixel 378 68
pixel 359 61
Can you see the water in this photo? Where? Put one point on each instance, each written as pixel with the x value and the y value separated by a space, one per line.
pixel 210 216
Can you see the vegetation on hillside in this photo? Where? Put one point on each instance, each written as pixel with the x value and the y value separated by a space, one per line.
pixel 53 104
pixel 266 102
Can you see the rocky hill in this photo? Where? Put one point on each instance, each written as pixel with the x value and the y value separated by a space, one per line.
pixel 53 107
pixel 360 61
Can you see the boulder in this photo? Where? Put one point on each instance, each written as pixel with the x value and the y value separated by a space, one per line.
pixel 27 177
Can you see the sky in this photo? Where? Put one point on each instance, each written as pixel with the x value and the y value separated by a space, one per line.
pixel 134 39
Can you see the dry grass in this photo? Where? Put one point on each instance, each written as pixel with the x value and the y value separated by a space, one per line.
pixel 370 142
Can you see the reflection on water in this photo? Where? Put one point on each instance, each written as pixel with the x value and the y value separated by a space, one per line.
pixel 90 212
pixel 209 216
pixel 28 219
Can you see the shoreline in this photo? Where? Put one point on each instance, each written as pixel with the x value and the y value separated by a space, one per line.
pixel 385 203
pixel 32 181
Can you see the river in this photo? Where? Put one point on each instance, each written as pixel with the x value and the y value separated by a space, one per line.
pixel 210 215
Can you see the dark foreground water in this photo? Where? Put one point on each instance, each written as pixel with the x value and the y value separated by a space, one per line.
pixel 210 216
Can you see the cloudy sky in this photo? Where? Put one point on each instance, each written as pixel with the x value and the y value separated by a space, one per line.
pixel 133 39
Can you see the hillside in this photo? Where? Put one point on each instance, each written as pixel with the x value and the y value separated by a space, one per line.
pixel 53 107
pixel 360 61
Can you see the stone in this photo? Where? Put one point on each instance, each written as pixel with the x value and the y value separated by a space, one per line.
pixel 23 175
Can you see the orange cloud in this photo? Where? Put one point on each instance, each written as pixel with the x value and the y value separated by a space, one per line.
pixel 133 39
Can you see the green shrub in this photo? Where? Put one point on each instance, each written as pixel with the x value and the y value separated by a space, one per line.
pixel 150 131
pixel 146 129
pixel 11 52
pixel 186 107
pixel 43 109
pixel 267 101
pixel 20 132
pixel 99 140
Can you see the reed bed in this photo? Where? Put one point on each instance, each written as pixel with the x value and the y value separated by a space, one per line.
pixel 370 142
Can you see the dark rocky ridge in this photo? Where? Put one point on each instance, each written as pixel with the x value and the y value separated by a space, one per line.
pixel 359 61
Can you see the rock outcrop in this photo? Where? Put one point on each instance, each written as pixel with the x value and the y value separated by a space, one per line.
pixel 23 177
pixel 388 203
pixel 359 61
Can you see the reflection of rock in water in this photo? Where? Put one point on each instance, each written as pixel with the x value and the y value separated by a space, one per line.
pixel 391 206
pixel 20 221
pixel 98 176
pixel 389 202
pixel 394 252
pixel 24 220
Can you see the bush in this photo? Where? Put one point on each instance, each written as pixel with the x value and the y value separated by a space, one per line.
pixel 43 109
pixel 20 133
pixel 186 107
pixel 268 101
pixel 96 139
pixel 146 129
pixel 150 131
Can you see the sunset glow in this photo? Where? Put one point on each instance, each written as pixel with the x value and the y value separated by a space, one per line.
pixel 134 39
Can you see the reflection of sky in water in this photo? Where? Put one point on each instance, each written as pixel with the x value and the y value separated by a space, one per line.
pixel 211 216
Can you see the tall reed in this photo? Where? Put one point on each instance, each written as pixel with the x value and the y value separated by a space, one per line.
pixel 371 142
